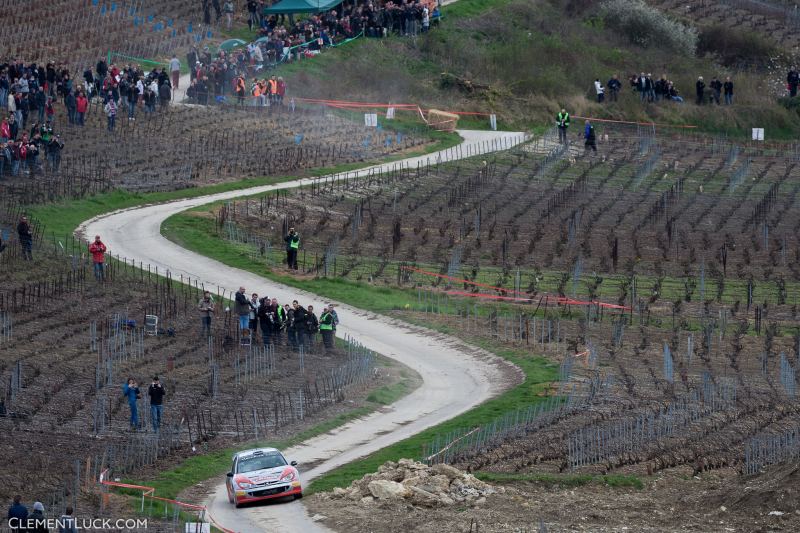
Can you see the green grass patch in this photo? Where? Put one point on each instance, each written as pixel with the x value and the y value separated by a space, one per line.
pixel 563 480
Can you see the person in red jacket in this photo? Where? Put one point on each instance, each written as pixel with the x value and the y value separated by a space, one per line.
pixel 98 251
pixel 81 105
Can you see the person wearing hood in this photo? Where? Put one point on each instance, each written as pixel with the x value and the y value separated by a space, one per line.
pixel 36 520
pixel 590 138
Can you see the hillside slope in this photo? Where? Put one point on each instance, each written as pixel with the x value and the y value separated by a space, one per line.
pixel 524 59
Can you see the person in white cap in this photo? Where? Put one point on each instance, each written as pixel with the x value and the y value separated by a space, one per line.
pixel 36 521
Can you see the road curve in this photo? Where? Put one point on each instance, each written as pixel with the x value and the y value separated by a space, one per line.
pixel 455 377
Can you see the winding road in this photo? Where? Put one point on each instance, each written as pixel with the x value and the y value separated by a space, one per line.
pixel 455 377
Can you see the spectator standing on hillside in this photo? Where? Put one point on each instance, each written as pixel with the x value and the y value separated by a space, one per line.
pixel 37 520
pixel 81 105
pixel 131 393
pixel 600 90
pixel 98 251
pixel 614 86
pixel 562 122
pixel 332 311
pixel 301 323
pixel 156 393
pixel 242 309
pixel 291 327
pixel 590 138
pixel 253 323
pixel 326 329
pixel 292 246
pixel 716 91
pixel 265 320
pixel 25 235
pixel 700 90
pixel 227 8
pixel 17 515
pixel 111 111
pixel 206 308
pixel 164 95
pixel 175 70
pixel 278 320
pixel 68 523
pixel 728 89
pixel 252 18
pixel 792 81
pixel 312 326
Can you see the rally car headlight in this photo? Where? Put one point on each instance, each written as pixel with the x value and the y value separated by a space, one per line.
pixel 288 477
pixel 245 485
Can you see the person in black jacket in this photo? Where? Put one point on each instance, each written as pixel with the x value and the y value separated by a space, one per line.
pixel 614 85
pixel 25 238
pixel 312 326
pixel 700 89
pixel 716 91
pixel 792 81
pixel 156 392
pixel 265 319
pixel 728 89
pixel 300 323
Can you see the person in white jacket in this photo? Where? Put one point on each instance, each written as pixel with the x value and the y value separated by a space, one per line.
pixel 600 90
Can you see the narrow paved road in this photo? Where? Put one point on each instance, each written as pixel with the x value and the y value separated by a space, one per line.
pixel 455 377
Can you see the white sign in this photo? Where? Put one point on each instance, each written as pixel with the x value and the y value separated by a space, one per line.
pixel 371 120
pixel 390 114
pixel 198 527
pixel 493 121
pixel 758 134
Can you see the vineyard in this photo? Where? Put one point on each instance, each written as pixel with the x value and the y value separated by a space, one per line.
pixel 662 275
pixel 68 343
pixel 193 146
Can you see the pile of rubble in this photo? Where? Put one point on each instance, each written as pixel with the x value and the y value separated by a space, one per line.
pixel 418 484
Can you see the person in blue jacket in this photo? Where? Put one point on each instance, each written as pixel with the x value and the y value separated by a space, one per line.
pixel 131 391
pixel 589 136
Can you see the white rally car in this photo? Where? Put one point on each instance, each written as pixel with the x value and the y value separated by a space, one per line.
pixel 262 474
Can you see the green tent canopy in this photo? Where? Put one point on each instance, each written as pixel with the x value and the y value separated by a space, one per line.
pixel 288 7
pixel 230 44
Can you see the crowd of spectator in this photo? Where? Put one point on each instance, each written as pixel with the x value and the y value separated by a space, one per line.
pixel 292 325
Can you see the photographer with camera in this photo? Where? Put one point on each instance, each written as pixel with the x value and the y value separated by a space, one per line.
pixel 130 391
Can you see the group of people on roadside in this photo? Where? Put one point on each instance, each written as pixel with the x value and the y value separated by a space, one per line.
pixel 127 88
pixel 292 325
pixel 19 519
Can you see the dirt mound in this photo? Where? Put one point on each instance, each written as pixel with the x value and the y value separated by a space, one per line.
pixel 776 490
pixel 418 484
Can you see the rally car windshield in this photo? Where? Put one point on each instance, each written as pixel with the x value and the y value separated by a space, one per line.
pixel 261 462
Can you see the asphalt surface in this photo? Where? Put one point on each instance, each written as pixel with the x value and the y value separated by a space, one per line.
pixel 455 377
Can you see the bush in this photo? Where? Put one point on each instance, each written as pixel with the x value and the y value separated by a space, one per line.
pixel 647 26
pixel 735 48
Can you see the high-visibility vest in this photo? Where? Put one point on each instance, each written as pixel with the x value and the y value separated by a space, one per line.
pixel 323 326
pixel 294 243
pixel 563 119
pixel 281 313
pixel 256 90
pixel 273 86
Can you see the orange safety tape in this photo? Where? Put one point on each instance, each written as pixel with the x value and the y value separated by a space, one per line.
pixel 684 126
pixel 558 299
pixel 149 492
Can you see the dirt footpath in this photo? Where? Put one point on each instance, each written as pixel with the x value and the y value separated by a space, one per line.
pixel 672 502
